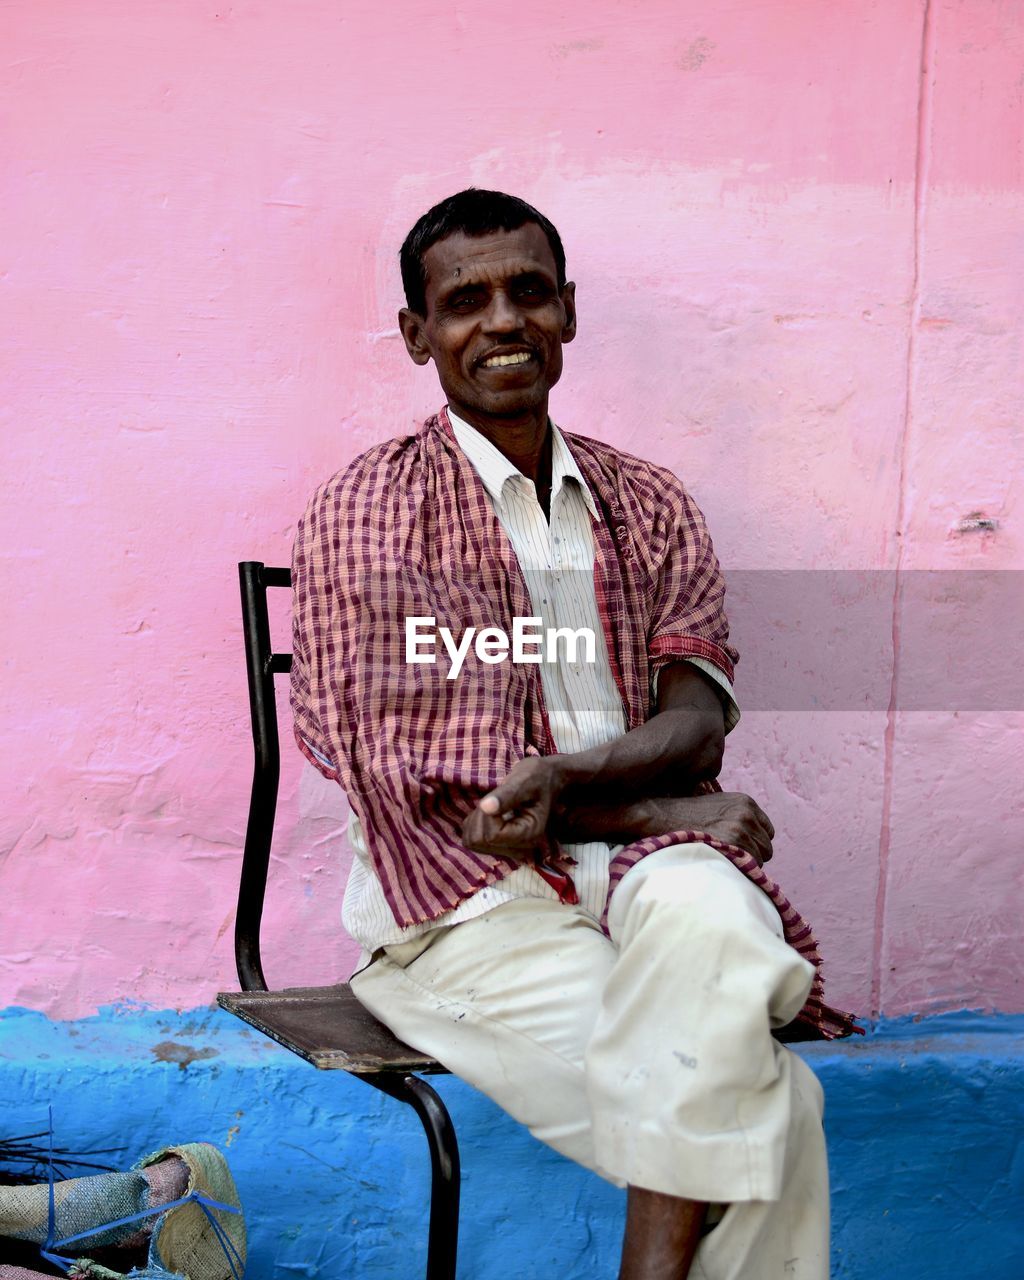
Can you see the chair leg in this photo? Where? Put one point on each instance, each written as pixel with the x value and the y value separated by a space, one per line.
pixel 443 1239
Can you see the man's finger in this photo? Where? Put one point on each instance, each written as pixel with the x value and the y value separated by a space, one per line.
pixel 765 833
pixel 494 831
pixel 482 827
pixel 481 844
pixel 503 799
pixel 753 838
pixel 764 843
pixel 473 829
pixel 764 819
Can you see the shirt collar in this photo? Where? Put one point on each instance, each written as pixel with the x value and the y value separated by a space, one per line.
pixel 494 469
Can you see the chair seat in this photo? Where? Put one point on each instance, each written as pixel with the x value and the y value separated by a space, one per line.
pixel 329 1028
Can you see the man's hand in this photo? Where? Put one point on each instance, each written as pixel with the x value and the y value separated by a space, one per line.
pixel 730 816
pixel 513 818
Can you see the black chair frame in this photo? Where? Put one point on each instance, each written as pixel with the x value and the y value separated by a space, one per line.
pixel 327 1026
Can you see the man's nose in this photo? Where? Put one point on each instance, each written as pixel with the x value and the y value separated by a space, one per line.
pixel 503 315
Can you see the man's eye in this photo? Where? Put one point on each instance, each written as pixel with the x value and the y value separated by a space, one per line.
pixel 463 301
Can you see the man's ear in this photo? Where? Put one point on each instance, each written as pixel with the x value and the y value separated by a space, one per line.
pixel 411 324
pixel 569 302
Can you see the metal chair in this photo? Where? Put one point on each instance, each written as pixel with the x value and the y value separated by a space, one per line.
pixel 325 1025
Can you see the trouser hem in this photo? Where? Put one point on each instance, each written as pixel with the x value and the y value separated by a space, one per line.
pixel 722 1170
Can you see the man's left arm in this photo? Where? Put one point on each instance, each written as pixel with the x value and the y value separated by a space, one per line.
pixel 640 784
pixel 679 747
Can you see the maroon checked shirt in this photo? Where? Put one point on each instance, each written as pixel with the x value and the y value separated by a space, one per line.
pixel 407 530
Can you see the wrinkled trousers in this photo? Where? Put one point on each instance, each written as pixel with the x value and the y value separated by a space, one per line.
pixel 646 1056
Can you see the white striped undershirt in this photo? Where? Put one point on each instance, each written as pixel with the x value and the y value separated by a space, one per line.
pixel 583 703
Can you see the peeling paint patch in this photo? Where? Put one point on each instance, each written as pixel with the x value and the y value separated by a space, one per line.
pixel 696 54
pixel 577 46
pixel 795 320
pixel 976 522
pixel 183 1054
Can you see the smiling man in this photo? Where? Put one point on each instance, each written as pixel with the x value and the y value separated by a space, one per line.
pixel 554 897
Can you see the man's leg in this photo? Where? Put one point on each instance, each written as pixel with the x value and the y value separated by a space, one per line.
pixel 510 1001
pixel 690 1094
pixel 507 1002
pixel 478 987
pixel 662 1235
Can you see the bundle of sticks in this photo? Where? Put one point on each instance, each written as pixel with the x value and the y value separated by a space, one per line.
pixel 23 1160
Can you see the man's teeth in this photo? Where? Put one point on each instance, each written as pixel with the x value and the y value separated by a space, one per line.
pixel 495 362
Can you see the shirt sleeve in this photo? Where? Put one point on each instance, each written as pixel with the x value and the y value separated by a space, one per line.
pixel 311 633
pixel 688 620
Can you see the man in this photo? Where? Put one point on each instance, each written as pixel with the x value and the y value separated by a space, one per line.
pixel 553 897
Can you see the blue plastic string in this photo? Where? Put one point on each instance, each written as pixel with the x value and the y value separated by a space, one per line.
pixel 222 1238
pixel 195 1197
pixel 51 1216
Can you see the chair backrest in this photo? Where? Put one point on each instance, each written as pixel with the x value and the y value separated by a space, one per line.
pixel 262 664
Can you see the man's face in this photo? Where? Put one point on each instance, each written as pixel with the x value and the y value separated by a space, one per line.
pixel 495 323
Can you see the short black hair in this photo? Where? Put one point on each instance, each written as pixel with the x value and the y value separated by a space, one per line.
pixel 474 212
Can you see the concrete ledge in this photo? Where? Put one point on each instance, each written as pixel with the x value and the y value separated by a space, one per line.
pixel 925 1122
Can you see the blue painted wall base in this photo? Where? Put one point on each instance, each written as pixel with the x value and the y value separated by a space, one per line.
pixel 924 1122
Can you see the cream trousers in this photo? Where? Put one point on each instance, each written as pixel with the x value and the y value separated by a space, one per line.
pixel 646 1056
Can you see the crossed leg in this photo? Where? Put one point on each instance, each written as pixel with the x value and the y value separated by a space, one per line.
pixel 646 1056
pixel 661 1237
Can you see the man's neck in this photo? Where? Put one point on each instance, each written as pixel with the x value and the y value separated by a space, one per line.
pixel 525 440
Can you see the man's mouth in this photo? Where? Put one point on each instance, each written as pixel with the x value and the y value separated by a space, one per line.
pixel 505 361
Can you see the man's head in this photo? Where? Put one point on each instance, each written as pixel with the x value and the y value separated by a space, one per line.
pixel 488 302
pixel 474 213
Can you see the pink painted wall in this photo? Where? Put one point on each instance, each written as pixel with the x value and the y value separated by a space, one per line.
pixel 795 228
